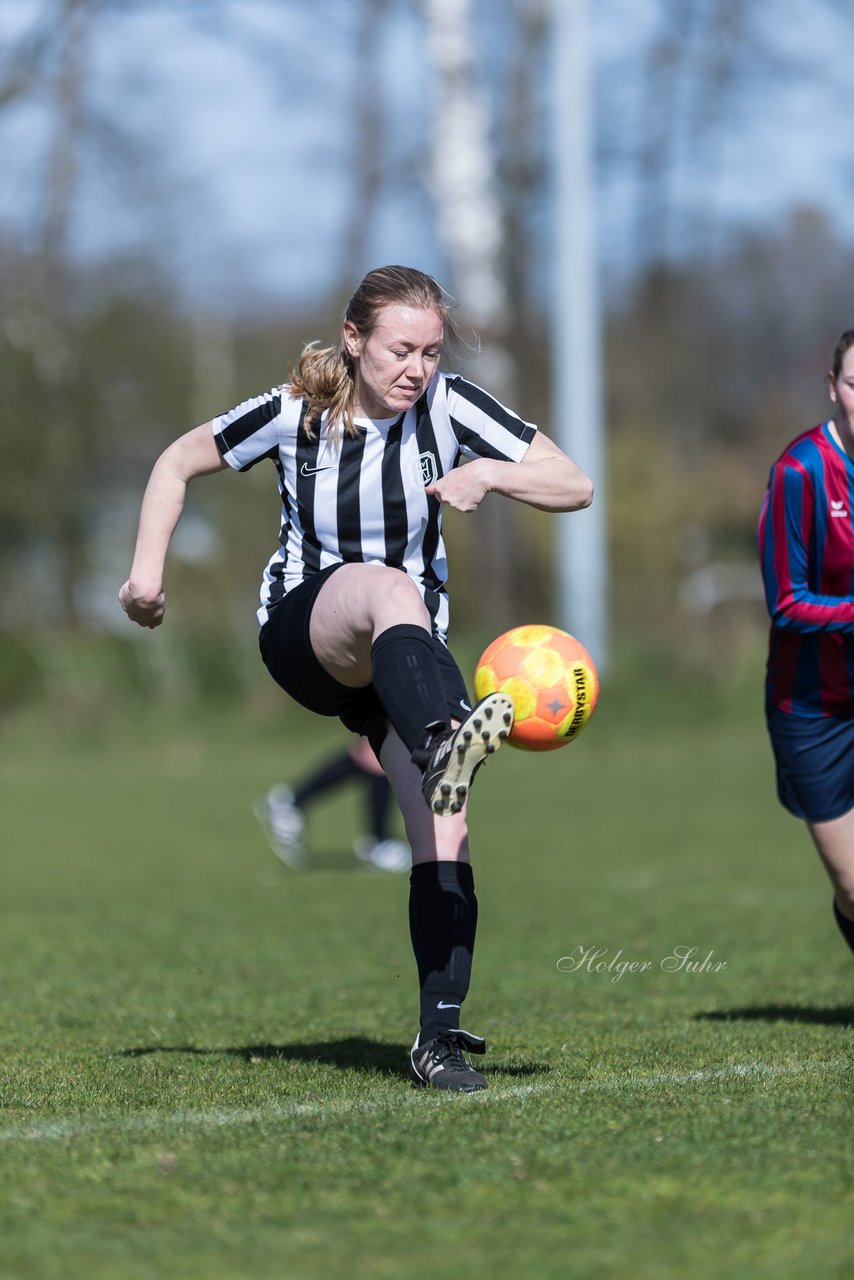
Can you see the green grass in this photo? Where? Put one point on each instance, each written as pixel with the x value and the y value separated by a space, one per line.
pixel 203 1058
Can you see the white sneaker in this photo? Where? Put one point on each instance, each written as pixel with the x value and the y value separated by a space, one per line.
pixel 283 825
pixel 385 855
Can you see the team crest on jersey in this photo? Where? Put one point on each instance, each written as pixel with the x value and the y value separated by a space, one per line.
pixel 426 470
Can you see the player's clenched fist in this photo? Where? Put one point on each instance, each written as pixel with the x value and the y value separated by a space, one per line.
pixel 463 488
pixel 145 608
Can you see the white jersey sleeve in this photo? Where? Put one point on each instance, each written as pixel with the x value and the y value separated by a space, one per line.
pixel 250 432
pixel 484 428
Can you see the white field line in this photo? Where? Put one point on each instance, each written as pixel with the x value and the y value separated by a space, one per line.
pixel 155 1121
pixel 733 1070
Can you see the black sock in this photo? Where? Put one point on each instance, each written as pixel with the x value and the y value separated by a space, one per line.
pixel 442 925
pixel 327 776
pixel 846 926
pixel 405 673
pixel 379 804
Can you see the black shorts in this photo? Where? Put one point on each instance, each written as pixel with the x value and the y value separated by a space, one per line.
pixel 285 644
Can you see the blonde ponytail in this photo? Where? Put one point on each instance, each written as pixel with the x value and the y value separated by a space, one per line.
pixel 325 378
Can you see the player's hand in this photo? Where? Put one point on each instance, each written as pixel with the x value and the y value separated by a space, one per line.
pixel 465 487
pixel 146 609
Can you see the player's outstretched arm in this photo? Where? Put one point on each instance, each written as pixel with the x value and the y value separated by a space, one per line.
pixel 545 478
pixel 193 454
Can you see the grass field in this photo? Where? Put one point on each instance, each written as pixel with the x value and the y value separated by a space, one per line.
pixel 203 1065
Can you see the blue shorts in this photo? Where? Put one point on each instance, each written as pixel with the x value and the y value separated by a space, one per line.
pixel 815 764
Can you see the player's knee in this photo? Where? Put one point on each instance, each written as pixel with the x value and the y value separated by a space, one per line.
pixel 396 598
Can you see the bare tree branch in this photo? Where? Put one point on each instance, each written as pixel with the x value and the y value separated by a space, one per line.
pixel 25 62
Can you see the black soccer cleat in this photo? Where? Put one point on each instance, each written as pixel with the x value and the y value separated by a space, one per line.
pixel 450 758
pixel 441 1063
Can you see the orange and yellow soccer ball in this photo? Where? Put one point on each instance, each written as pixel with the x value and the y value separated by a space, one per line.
pixel 551 679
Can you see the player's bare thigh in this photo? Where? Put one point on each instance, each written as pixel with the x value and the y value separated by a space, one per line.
pixel 354 605
pixel 834 841
pixel 431 838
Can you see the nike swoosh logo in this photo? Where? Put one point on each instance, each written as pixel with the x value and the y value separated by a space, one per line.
pixel 442 1005
pixel 306 470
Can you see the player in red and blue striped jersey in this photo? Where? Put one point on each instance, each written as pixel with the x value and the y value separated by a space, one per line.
pixel 806 546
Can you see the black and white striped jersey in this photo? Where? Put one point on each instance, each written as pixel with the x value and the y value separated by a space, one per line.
pixel 364 500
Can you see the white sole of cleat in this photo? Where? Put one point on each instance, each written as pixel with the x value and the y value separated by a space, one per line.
pixel 480 735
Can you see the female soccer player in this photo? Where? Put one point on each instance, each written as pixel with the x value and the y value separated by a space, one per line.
pixel 806 544
pixel 365 440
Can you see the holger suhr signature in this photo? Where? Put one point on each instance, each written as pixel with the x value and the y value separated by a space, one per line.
pixel 596 960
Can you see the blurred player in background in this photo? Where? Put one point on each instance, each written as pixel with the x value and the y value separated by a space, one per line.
pixel 282 812
pixel 806 543
pixel 366 440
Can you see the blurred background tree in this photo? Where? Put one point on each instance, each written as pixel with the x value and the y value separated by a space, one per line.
pixel 190 193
